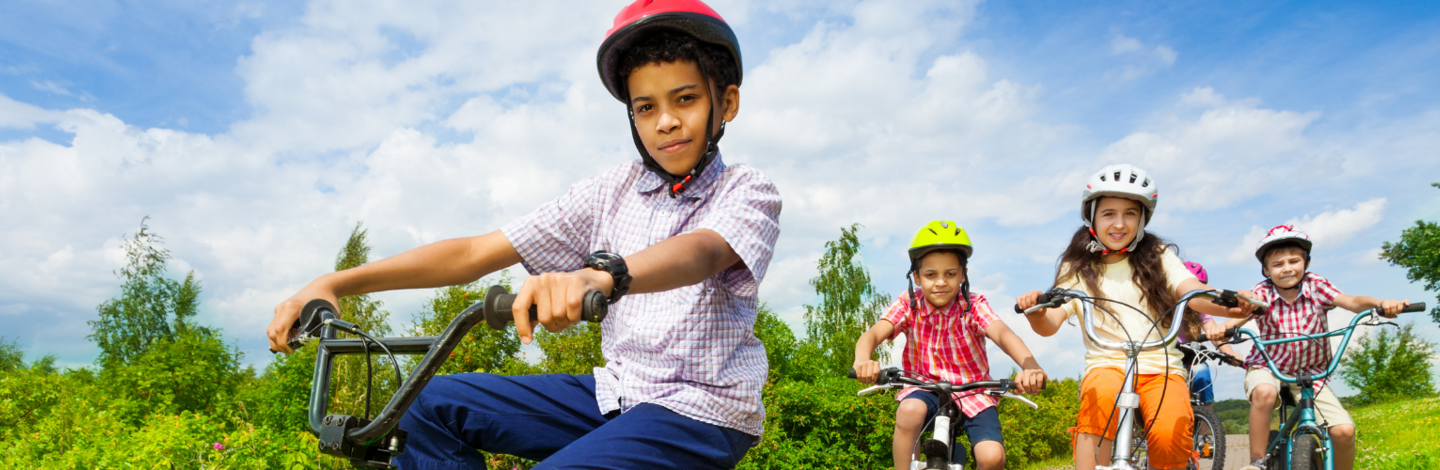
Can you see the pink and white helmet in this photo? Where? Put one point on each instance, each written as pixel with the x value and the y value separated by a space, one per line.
pixel 1123 180
pixel 1282 234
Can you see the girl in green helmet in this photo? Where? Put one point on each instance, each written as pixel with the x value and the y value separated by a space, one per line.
pixel 945 340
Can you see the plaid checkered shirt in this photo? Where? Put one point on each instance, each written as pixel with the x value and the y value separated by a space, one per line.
pixel 947 344
pixel 693 349
pixel 1306 316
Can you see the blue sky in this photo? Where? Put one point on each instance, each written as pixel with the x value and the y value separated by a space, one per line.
pixel 256 134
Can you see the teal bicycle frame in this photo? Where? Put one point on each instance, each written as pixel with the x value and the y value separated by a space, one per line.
pixel 1302 420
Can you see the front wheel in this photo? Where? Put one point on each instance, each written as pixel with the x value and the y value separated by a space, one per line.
pixel 1305 455
pixel 1209 439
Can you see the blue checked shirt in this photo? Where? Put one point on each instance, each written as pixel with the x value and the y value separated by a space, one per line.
pixel 691 350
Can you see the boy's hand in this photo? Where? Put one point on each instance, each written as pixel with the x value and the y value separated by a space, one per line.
pixel 1029 380
pixel 1247 308
pixel 866 371
pixel 1214 332
pixel 289 311
pixel 1391 308
pixel 1028 299
pixel 558 298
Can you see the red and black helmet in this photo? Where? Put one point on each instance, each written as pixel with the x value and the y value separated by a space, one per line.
pixel 692 17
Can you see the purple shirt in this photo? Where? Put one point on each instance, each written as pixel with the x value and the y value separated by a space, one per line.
pixel 693 349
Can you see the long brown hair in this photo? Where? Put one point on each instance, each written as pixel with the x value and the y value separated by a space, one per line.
pixel 1147 272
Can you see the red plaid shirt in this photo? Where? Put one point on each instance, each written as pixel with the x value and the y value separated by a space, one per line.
pixel 1306 316
pixel 947 344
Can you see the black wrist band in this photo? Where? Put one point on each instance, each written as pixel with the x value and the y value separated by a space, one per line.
pixel 615 265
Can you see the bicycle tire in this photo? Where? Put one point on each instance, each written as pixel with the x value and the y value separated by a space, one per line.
pixel 1205 418
pixel 1305 454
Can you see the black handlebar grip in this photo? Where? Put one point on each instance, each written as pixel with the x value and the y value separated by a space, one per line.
pixel 1043 382
pixel 1018 309
pixel 593 308
pixel 1229 333
pixel 1415 307
pixel 852 373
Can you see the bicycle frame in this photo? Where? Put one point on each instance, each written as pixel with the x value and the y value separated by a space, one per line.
pixel 1302 419
pixel 1128 400
pixel 942 438
pixel 373 443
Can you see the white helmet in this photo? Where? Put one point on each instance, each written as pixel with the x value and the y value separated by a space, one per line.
pixel 1282 234
pixel 1123 180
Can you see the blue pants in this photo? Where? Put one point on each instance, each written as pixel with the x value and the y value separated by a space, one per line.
pixel 1201 384
pixel 554 418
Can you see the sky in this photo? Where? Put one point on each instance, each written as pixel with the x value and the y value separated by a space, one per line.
pixel 256 135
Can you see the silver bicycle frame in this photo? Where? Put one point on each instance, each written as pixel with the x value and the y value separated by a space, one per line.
pixel 1129 400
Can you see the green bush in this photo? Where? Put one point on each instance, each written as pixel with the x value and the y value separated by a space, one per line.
pixel 195 372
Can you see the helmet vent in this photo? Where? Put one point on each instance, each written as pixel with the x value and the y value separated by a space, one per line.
pixel 1145 184
pixel 1132 177
pixel 1117 176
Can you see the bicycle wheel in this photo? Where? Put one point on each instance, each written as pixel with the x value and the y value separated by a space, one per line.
pixel 1209 439
pixel 1305 455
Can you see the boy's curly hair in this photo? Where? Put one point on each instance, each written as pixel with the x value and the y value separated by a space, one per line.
pixel 669 46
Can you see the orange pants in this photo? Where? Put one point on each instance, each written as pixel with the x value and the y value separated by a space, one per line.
pixel 1170 436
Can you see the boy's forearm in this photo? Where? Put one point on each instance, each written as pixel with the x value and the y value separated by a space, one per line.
pixel 680 261
pixel 1356 303
pixel 439 264
pixel 865 347
pixel 1017 350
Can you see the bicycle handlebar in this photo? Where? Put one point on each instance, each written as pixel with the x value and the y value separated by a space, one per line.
pixel 375 442
pixel 1260 345
pixel 895 377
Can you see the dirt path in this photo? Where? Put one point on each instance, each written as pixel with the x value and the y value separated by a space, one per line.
pixel 1237 451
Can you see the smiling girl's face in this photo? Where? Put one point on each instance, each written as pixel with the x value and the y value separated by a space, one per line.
pixel 1117 220
pixel 671 102
pixel 940 276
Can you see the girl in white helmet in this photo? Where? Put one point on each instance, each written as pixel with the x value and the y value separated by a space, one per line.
pixel 1112 256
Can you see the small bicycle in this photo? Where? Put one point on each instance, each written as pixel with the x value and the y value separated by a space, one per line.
pixel 374 443
pixel 1131 428
pixel 942 451
pixel 1302 442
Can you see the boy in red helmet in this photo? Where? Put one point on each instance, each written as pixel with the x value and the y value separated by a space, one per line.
pixel 679 242
pixel 1299 305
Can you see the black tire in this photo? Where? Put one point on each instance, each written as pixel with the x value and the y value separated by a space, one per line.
pixel 1209 432
pixel 1304 455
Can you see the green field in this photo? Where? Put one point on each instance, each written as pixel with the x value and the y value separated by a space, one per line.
pixel 1400 435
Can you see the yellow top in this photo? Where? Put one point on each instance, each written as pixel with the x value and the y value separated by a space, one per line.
pixel 1116 284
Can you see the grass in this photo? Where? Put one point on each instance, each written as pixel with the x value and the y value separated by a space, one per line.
pixel 1399 435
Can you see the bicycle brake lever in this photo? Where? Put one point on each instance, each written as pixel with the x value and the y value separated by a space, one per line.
pixel 1020 399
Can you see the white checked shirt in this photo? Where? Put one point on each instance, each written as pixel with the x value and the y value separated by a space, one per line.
pixel 691 350
pixel 1306 316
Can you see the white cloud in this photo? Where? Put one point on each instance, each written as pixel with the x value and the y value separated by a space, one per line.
pixel 1139 59
pixel 14 114
pixel 1327 230
pixel 50 87
pixel 1228 153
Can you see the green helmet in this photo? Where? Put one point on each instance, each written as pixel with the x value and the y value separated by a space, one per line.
pixel 940 235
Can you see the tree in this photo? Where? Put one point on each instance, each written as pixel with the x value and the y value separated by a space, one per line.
pixel 352 376
pixel 849 304
pixel 1419 252
pixel 150 308
pixel 483 349
pixel 779 343
pixel 1387 366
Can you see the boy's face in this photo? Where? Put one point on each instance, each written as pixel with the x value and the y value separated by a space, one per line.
pixel 671 105
pixel 1116 222
pixel 940 277
pixel 1285 266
